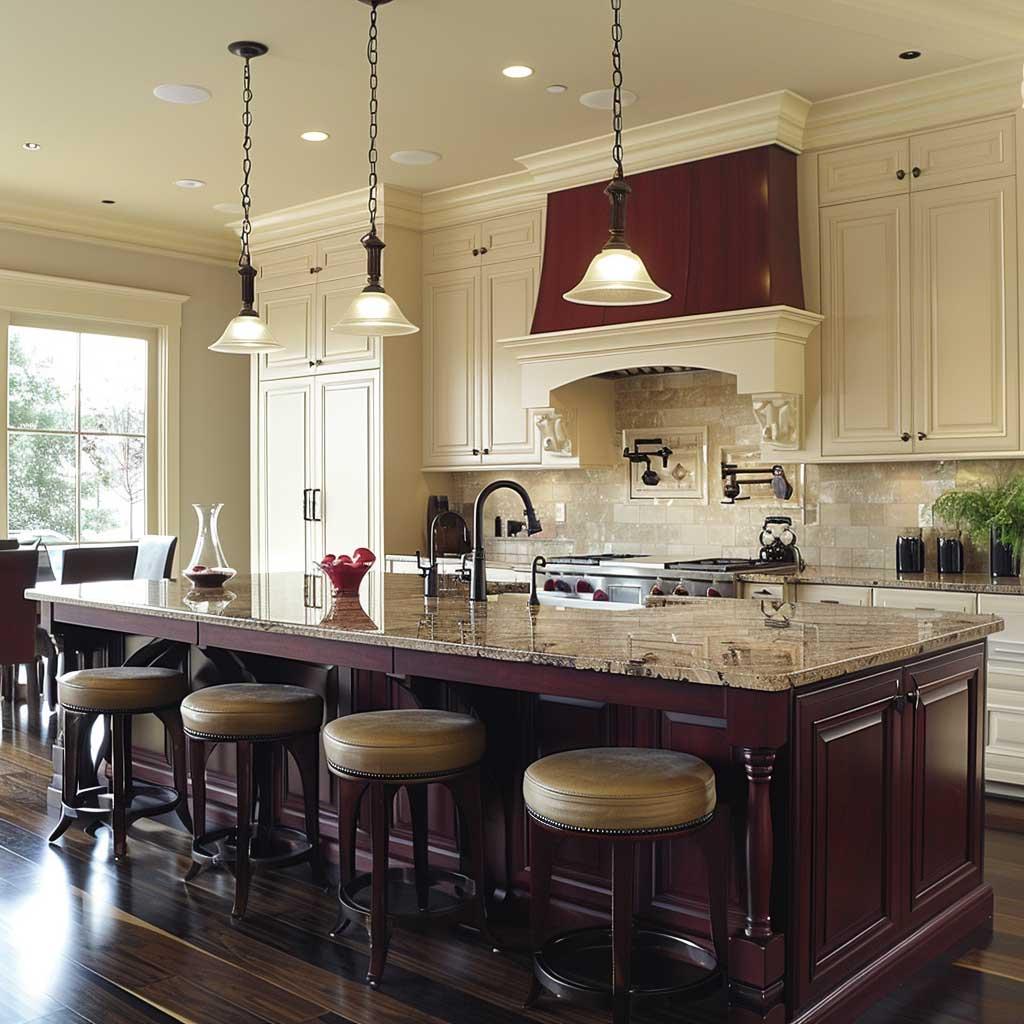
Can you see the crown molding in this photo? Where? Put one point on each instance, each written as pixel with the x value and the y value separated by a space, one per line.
pixel 776 118
pixel 978 90
pixel 135 237
pixel 489 197
pixel 95 287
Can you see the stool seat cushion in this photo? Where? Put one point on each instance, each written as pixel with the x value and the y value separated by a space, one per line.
pixel 413 743
pixel 251 711
pixel 121 689
pixel 620 789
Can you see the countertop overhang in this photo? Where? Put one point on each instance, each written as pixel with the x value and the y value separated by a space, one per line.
pixel 756 645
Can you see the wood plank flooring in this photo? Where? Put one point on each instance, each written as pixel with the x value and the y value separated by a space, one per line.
pixel 84 940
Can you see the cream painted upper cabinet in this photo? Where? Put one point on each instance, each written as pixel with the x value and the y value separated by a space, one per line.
pixel 968 152
pixel 290 314
pixel 511 237
pixel 864 172
pixel 964 258
pixel 341 351
pixel 509 293
pixel 289 265
pixel 865 298
pixel 451 369
pixel 454 248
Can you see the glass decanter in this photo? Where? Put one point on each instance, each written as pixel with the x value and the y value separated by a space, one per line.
pixel 208 567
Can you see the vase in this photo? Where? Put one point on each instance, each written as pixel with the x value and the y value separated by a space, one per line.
pixel 346 572
pixel 949 552
pixel 208 567
pixel 1000 557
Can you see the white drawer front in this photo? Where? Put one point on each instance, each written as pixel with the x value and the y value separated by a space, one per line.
pixel 925 600
pixel 820 593
pixel 1010 642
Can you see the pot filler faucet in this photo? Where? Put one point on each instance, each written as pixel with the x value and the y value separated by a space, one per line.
pixel 478 576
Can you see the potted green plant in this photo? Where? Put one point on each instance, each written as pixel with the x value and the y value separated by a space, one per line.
pixel 992 512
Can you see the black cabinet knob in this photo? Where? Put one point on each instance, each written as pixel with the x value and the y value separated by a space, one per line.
pixel 916 172
pixel 901 174
pixel 476 252
pixel 921 435
pixel 476 451
pixel 904 436
pixel 483 249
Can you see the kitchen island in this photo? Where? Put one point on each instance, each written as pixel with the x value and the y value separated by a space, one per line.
pixel 847 742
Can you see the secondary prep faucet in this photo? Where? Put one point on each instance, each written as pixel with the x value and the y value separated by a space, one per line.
pixel 478 576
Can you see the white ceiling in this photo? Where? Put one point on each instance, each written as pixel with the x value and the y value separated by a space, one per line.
pixel 78 79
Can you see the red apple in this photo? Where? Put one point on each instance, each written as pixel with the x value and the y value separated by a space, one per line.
pixel 549 585
pixel 198 568
pixel 584 587
pixel 600 595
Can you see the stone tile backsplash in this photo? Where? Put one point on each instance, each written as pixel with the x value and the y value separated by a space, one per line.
pixel 851 516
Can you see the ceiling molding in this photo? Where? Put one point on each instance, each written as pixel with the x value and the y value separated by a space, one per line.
pixel 776 118
pixel 134 237
pixel 475 200
pixel 19 277
pixel 979 90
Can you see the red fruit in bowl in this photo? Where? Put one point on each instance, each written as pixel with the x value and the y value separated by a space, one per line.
pixel 600 595
pixel 198 568
pixel 549 585
pixel 584 587
pixel 563 586
pixel 328 558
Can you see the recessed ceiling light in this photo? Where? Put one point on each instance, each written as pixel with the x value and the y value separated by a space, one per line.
pixel 556 89
pixel 108 202
pixel 910 54
pixel 517 71
pixel 415 157
pixel 32 147
pixel 175 93
pixel 190 183
pixel 601 99
pixel 314 136
pixel 228 207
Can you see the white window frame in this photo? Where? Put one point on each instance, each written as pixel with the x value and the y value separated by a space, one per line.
pixel 159 314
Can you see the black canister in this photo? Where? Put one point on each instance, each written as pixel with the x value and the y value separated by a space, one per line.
pixel 950 552
pixel 910 551
pixel 1000 557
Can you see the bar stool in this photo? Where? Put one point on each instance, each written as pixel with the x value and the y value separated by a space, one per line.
pixel 624 796
pixel 382 751
pixel 120 693
pixel 257 718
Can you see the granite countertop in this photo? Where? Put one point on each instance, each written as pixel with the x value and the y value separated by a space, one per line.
pixel 968 582
pixel 760 645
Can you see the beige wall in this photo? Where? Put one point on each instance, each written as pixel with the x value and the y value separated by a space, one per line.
pixel 214 404
pixel 852 513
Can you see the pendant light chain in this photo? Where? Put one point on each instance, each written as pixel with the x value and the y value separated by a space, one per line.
pixel 371 56
pixel 244 259
pixel 617 87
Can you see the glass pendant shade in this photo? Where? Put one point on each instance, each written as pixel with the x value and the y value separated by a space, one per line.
pixel 616 277
pixel 373 313
pixel 246 335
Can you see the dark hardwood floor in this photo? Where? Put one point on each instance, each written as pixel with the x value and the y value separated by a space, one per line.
pixel 85 940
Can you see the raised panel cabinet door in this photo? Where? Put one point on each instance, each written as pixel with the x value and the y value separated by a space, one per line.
pixel 451 369
pixel 866 348
pixel 864 172
pixel 289 265
pixel 964 258
pixel 512 237
pixel 968 152
pixel 945 743
pixel 509 295
pixel 289 313
pixel 849 775
pixel 347 482
pixel 285 464
pixel 340 256
pixel 454 248
pixel 337 351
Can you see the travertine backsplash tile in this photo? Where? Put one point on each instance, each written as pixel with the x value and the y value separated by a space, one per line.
pixel 853 512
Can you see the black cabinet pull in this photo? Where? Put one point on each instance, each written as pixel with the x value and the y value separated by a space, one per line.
pixel 476 451
pixel 916 172
pixel 483 249
pixel 921 435
pixel 305 505
pixel 476 252
pixel 901 174
pixel 311 364
pixel 904 436
pixel 487 451
pixel 913 697
pixel 314 512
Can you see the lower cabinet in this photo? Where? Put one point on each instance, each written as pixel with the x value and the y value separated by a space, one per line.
pixel 888 776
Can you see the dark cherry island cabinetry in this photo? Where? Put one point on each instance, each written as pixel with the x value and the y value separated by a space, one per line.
pixel 847 742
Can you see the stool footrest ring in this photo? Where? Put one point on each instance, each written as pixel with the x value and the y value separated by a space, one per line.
pixel 278 848
pixel 449 894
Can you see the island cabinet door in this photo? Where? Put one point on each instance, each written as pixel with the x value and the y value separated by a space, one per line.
pixel 849 791
pixel 944 733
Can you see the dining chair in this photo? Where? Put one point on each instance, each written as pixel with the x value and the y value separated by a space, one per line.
pixel 18 639
pixel 8 544
pixel 96 564
pixel 155 557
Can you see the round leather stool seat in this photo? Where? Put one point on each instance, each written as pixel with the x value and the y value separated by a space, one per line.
pixel 620 789
pixel 418 743
pixel 121 689
pixel 251 711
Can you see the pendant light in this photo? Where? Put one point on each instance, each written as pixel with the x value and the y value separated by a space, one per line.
pixel 246 334
pixel 373 313
pixel 616 275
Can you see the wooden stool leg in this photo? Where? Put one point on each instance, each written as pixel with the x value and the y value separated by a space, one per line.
pixel 197 767
pixel 623 876
pixel 244 819
pixel 263 782
pixel 420 854
pixel 119 815
pixel 171 718
pixel 379 836
pixel 306 752
pixel 73 730
pixel 542 844
pixel 469 798
pixel 713 840
pixel 350 792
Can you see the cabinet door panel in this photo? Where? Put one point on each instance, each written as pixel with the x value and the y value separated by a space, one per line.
pixel 849 769
pixel 513 237
pixel 451 341
pixel 340 256
pixel 864 172
pixel 289 313
pixel 341 351
pixel 968 152
pixel 509 296
pixel 451 248
pixel 965 318
pixel 285 463
pixel 290 265
pixel 945 739
pixel 865 291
